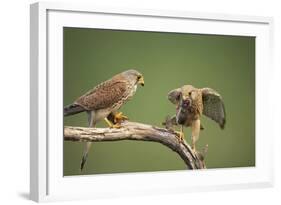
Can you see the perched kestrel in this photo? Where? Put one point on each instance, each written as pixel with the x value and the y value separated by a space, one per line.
pixel 105 99
pixel 191 103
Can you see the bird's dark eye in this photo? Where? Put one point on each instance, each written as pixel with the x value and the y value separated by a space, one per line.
pixel 139 77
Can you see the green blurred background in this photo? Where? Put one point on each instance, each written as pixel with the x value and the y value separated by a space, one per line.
pixel 167 61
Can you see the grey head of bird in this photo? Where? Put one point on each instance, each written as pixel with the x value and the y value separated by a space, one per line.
pixel 189 96
pixel 133 76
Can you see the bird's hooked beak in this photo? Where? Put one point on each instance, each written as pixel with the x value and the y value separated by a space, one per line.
pixel 186 102
pixel 141 81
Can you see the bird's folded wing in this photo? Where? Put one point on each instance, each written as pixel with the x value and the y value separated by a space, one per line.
pixel 213 106
pixel 104 95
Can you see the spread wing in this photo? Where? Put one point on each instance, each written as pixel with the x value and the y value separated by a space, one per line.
pixel 213 106
pixel 104 95
pixel 174 96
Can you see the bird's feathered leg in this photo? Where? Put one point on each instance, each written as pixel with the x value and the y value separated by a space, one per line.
pixel 195 130
pixel 91 123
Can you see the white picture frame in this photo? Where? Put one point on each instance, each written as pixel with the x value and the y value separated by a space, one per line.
pixel 46 177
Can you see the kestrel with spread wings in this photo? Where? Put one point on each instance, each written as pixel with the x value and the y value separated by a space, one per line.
pixel 106 99
pixel 191 103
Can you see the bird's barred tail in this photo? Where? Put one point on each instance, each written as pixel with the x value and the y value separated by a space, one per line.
pixel 72 109
pixel 85 155
pixel 83 161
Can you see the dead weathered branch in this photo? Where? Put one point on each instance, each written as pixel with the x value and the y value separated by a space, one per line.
pixel 137 131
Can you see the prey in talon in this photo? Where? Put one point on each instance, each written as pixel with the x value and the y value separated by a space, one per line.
pixel 119 117
pixel 115 119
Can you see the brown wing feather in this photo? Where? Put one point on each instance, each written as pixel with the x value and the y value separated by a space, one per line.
pixel 174 95
pixel 213 106
pixel 104 95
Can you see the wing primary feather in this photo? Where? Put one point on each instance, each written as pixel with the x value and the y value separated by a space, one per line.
pixel 213 106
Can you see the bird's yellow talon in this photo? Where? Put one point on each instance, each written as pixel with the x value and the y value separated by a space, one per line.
pixel 111 125
pixel 180 136
pixel 119 117
pixel 116 126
